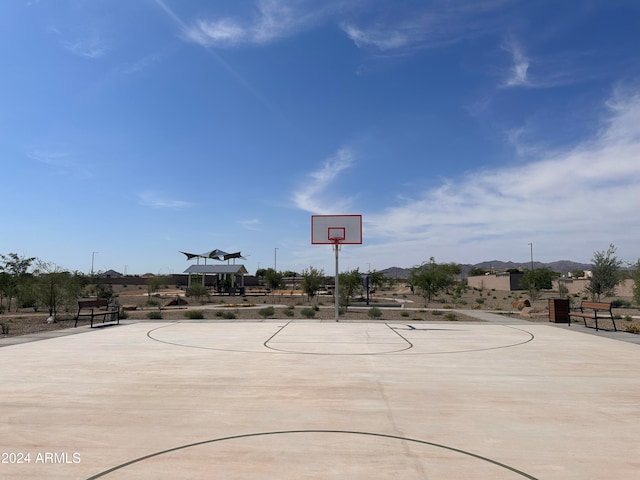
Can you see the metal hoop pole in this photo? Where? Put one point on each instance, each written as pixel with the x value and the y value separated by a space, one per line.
pixel 336 246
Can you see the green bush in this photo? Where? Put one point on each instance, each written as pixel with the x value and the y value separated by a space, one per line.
pixel 227 315
pixel 308 312
pixel 451 317
pixel 436 312
pixel 479 301
pixel 404 314
pixel 289 312
pixel 194 314
pixel 266 312
pixel 154 315
pixel 374 312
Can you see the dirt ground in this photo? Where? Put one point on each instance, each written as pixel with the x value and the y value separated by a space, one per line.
pixel 397 305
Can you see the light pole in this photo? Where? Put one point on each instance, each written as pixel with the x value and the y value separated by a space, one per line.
pixel 93 254
pixel 531 245
pixel 275 259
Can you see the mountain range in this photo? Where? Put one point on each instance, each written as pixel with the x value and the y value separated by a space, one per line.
pixel 561 266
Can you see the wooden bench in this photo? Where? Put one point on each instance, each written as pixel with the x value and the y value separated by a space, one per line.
pixel 594 308
pixel 98 309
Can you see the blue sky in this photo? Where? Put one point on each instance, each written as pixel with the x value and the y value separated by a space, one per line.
pixel 462 130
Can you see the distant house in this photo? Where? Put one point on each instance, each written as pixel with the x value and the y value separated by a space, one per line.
pixel 506 281
pixel 110 274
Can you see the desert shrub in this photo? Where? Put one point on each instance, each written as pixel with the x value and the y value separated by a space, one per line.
pixel 404 314
pixel 462 302
pixel 124 314
pixel 266 312
pixel 436 312
pixel 194 314
pixel 447 306
pixel 4 329
pixel 628 318
pixel 227 315
pixel 152 303
pixel 289 312
pixel 154 315
pixel 620 303
pixel 479 301
pixel 374 312
pixel 451 317
pixel 308 312
pixel 631 328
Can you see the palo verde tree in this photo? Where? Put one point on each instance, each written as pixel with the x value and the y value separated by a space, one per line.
pixel 56 288
pixel 349 284
pixel 431 278
pixel 536 280
pixel 312 280
pixel 604 274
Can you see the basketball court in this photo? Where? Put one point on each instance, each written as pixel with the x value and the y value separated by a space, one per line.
pixel 321 400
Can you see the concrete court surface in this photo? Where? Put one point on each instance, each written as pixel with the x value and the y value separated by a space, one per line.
pixel 321 400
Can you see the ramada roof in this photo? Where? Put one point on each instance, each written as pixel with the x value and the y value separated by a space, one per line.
pixel 215 269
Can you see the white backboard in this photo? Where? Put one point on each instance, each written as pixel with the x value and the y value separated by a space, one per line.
pixel 332 229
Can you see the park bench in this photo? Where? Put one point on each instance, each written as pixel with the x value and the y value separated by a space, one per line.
pixel 592 312
pixel 98 309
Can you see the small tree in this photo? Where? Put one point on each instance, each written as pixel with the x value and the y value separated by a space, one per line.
pixel 431 278
pixel 377 279
pixel 536 280
pixel 57 288
pixel 15 268
pixel 604 275
pixel 349 284
pixel 273 278
pixel 636 283
pixel 154 282
pixel 312 280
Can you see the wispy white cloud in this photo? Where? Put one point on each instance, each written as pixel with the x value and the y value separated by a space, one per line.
pixel 520 65
pixel 382 37
pixel 59 162
pixel 91 48
pixel 394 27
pixel 274 19
pixel 56 159
pixel 154 200
pixel 253 224
pixel 313 196
pixel 551 201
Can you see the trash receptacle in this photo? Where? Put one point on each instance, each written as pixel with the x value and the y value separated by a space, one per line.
pixel 559 310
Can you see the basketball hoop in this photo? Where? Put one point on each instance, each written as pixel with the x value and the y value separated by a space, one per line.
pixel 336 234
pixel 336 230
